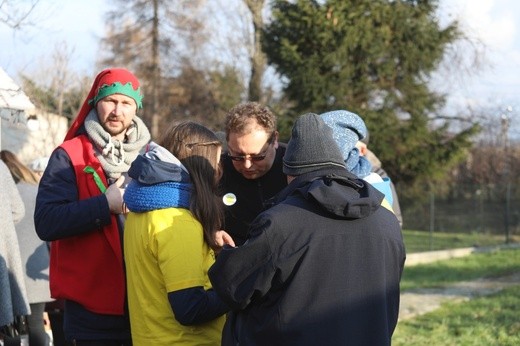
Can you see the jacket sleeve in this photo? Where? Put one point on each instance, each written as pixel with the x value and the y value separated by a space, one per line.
pixel 195 305
pixel 241 274
pixel 58 213
pixel 15 200
pixel 395 205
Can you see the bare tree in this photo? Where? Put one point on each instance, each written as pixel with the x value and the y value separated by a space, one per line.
pixel 257 56
pixel 155 71
pixel 16 14
pixel 53 86
pixel 61 58
pixel 153 38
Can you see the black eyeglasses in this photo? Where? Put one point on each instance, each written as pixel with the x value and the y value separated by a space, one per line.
pixel 254 158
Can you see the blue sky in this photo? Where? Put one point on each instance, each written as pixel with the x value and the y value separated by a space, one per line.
pixel 79 23
pixel 495 22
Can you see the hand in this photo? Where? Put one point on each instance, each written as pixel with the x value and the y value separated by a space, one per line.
pixel 114 195
pixel 222 238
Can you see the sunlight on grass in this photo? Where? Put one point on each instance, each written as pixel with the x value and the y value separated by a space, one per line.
pixel 490 320
pixel 477 265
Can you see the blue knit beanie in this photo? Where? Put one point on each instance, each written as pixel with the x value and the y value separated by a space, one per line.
pixel 347 129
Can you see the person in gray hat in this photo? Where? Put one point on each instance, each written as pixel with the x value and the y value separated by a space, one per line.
pixel 323 265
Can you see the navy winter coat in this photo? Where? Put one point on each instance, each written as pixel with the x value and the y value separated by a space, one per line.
pixel 322 267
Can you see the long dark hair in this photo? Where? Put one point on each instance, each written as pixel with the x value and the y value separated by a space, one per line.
pixel 197 147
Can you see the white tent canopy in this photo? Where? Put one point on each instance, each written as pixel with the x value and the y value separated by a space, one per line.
pixel 14 104
pixel 12 98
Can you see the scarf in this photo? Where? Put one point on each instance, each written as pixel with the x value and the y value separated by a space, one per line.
pixel 357 164
pixel 114 155
pixel 141 197
pixel 159 180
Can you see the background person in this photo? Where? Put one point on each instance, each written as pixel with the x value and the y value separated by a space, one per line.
pixel 252 166
pixel 323 265
pixel 169 239
pixel 79 206
pixel 347 130
pixel 13 295
pixel 377 167
pixel 34 251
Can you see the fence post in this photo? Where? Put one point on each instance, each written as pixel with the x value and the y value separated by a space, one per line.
pixel 432 215
pixel 505 135
pixel 508 204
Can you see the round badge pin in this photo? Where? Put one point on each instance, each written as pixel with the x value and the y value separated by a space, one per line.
pixel 229 199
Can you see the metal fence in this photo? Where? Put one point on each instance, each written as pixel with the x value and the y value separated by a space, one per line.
pixel 489 209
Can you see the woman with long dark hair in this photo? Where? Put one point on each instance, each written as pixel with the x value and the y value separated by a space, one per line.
pixel 169 241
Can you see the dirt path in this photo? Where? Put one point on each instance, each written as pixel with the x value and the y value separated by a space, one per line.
pixel 422 301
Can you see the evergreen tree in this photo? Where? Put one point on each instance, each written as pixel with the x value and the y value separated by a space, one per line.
pixel 372 57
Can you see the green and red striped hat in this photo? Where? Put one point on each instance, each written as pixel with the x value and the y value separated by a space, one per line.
pixel 108 82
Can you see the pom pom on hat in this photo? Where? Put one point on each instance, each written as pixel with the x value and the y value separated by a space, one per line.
pixel 311 147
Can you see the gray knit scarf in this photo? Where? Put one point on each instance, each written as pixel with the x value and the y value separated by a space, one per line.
pixel 114 155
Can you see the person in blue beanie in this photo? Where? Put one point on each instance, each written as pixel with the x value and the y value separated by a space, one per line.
pixel 348 129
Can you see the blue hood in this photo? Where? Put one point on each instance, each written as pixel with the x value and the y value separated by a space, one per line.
pixel 159 180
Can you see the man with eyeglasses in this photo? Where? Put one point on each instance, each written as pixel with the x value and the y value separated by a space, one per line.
pixel 252 166
pixel 323 265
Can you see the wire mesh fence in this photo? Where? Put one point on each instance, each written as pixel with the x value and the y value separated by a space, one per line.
pixel 487 210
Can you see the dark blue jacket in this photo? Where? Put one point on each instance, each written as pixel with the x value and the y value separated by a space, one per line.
pixel 322 267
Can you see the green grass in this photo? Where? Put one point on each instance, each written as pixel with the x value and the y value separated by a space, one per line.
pixel 476 265
pixel 490 320
pixel 420 241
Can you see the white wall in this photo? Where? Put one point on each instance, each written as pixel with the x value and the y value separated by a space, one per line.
pixel 32 144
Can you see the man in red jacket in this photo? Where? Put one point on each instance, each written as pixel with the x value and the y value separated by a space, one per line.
pixel 79 209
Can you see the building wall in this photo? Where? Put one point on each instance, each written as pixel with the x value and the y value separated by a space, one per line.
pixel 40 141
